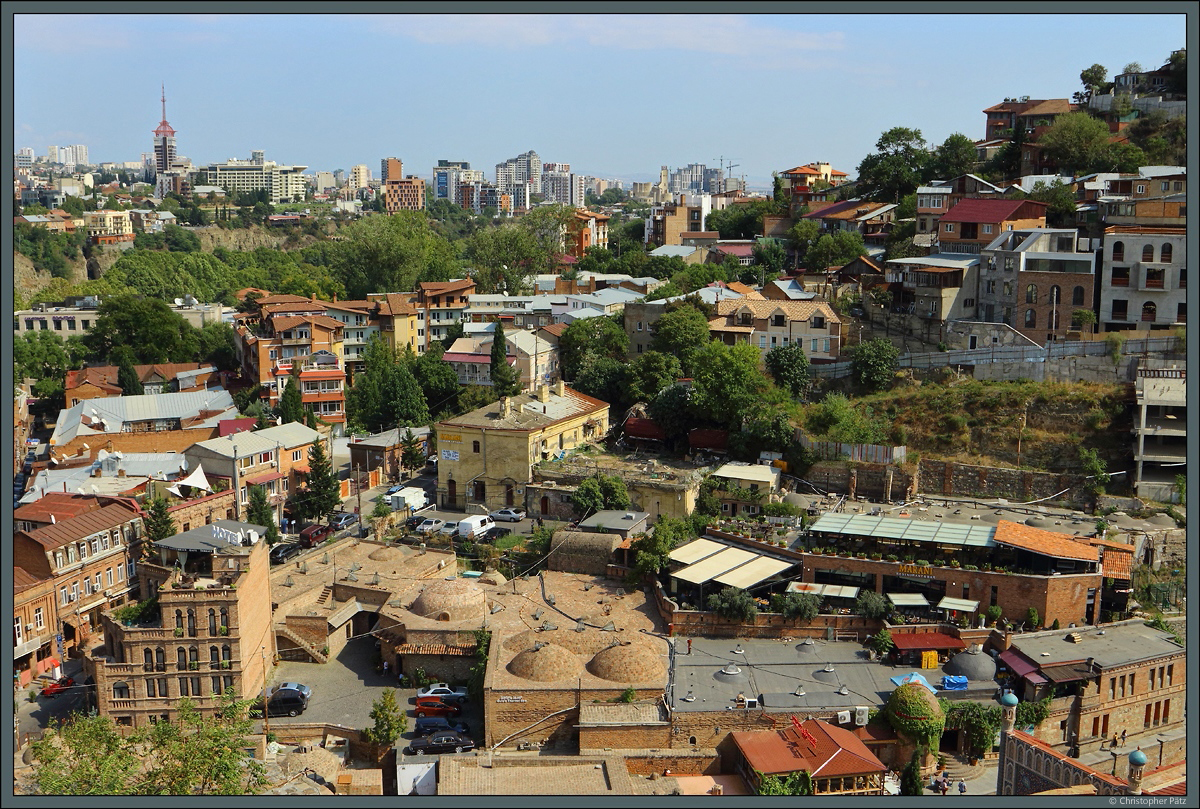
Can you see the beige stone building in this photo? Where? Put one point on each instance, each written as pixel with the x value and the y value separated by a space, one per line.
pixel 486 457
pixel 212 632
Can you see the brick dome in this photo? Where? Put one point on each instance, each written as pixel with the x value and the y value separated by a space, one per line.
pixel 627 663
pixel 451 600
pixel 383 554
pixel 546 663
pixel 586 643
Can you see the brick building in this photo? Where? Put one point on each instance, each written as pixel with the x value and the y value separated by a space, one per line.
pixel 973 224
pixel 1122 677
pixel 101 381
pixel 86 561
pixel 837 760
pixel 35 624
pixel 213 630
pixel 1011 565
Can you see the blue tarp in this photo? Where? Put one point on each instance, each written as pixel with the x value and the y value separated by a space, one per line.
pixel 914 677
pixel 952 683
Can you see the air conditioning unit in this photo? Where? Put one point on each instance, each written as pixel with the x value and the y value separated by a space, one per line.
pixel 108 593
pixel 28 627
pixel 861 714
pixel 751 702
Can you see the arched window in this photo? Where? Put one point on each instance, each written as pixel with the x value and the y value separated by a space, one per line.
pixel 1165 254
pixel 1030 319
pixel 226 652
pixel 191 623
pixel 1118 251
pixel 212 622
pixel 225 619
pixel 214 656
pixel 181 658
pixel 1077 296
pixel 160 658
pixel 1148 253
pixel 120 690
pixel 148 657
pixel 194 655
pixel 178 619
pixel 1031 293
pixel 1149 312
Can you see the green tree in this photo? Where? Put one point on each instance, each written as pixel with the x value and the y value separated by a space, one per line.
pixel 910 778
pixel 158 522
pixel 955 157
pixel 259 512
pixel 437 380
pixel 590 335
pixel 682 333
pixel 797 783
pixel 1094 468
pixel 769 258
pixel 873 363
pixel 1060 202
pixel 651 551
pixel 788 365
pixel 834 250
pixel 322 496
pixel 502 258
pixel 649 373
pixel 149 328
pixel 202 754
pixel 598 493
pixel 672 411
pixel 727 382
pixel 504 376
pixel 390 720
pixel 85 755
pixel 412 455
pixel 881 642
pixel 895 168
pixel 872 605
pixel 45 358
pixel 1079 144
pixel 601 377
pixel 803 607
pixel 291 405
pixel 385 393
pixel 733 603
pixel 1093 79
pixel 391 254
pixel 803 235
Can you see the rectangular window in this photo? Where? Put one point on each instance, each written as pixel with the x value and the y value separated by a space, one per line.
pixel 1157 712
pixel 813 345
pixel 1104 726
pixel 1121 688
pixel 74 591
pixel 639 325
pixel 108 579
pixel 296 455
pixel 987 228
pixel 120 573
pixel 1166 710
pixel 1120 309
pixel 1146 723
pixel 130 568
pixel 183 686
pixel 96 583
pixel 948 227
pixel 87 586
pixel 826 345
pixel 1170 675
pixel 39 620
pixel 63 597
pixel 104 542
pixel 1112 688
pixel 264 458
pixel 216 685
pixel 1095 726
pixel 150 689
pixel 762 341
pixel 1141 189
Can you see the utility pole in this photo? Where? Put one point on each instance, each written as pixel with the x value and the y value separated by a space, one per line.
pixel 266 711
pixel 358 486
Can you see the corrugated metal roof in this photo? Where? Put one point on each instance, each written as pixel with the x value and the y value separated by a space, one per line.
pixel 102 519
pixel 288 435
pixel 948 533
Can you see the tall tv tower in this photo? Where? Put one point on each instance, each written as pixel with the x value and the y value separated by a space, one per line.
pixel 164 139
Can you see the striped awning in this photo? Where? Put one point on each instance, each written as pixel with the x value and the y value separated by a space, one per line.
pixel 715 565
pixel 960 604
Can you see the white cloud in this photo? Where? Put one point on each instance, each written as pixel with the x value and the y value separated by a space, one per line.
pixel 731 35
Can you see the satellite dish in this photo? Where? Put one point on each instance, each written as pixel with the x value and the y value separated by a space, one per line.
pixel 183 464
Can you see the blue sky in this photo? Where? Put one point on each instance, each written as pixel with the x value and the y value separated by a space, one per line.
pixel 613 95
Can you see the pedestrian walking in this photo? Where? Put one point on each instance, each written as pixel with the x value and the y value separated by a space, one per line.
pixel 945 788
pixel 1114 744
pixel 962 787
pixel 1123 737
pixel 385 668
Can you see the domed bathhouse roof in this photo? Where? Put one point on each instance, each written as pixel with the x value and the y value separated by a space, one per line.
pixel 451 600
pixel 384 554
pixel 973 664
pixel 627 663
pixel 545 663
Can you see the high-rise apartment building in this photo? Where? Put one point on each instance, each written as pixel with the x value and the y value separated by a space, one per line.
pixel 360 176
pixel 23 159
pixel 324 180
pixel 525 168
pixel 390 168
pixel 401 193
pixel 563 187
pixel 282 183
pixel 450 176
pixel 697 177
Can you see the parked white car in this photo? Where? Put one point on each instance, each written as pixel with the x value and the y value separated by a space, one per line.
pixel 430 526
pixel 445 691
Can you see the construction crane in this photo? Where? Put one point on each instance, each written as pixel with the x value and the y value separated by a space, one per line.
pixel 728 166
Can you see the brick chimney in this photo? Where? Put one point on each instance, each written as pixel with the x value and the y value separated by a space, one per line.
pixel 560 388
pixel 543 393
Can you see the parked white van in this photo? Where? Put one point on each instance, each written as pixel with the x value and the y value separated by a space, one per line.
pixel 472 527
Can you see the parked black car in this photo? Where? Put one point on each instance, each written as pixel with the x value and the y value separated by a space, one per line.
pixel 429 725
pixel 445 742
pixel 283 702
pixel 494 533
pixel 284 551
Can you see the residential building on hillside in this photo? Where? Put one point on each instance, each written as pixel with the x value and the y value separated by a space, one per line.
pixel 766 324
pixel 282 183
pixel 100 381
pixel 590 229
pixel 935 289
pixel 397 320
pixel 1143 278
pixel 360 323
pixel 641 316
pixel 213 632
pixel 108 227
pixel 871 220
pixel 441 305
pixel 295 335
pixel 668 222
pixel 1034 279
pixel 87 562
pixel 940 196
pixel 486 456
pixel 275 459
pixel 973 224
pixel 516 171
pixel 534 359
pixel 1164 211
pixel 401 193
pixel 35 626
pixel 1034 116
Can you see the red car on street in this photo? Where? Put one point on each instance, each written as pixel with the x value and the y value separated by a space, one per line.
pixel 437 706
pixel 57 687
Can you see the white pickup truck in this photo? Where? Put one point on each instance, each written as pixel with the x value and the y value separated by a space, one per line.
pixel 410 498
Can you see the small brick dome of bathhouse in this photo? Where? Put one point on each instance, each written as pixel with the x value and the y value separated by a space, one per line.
pixel 545 663
pixel 451 600
pixel 627 663
pixel 973 664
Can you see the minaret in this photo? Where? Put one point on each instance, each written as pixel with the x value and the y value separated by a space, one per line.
pixel 1137 765
pixel 1008 720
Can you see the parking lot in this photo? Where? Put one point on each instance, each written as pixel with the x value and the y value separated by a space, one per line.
pixel 344 689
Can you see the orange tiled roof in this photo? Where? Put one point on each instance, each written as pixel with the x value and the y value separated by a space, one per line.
pixel 293 306
pixel 793 310
pixel 434 649
pixel 1048 543
pixel 1053 106
pixel 284 323
pixel 833 751
pixel 1118 564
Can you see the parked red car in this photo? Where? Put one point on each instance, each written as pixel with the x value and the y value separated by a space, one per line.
pixel 57 687
pixel 437 706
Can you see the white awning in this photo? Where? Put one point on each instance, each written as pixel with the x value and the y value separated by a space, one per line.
pixel 753 572
pixel 840 591
pixel 695 550
pixel 196 479
pixel 805 587
pixel 960 604
pixel 715 565
pixel 908 599
pixel 823 590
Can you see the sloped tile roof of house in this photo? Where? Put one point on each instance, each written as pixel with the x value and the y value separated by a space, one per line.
pixel 832 751
pixel 792 310
pixel 91 522
pixel 280 324
pixel 1053 106
pixel 1047 543
pixel 442 287
pixel 990 211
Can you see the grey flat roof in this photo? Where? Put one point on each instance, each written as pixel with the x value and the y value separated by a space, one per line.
pixel 220 535
pixel 1125 642
pixel 614 519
